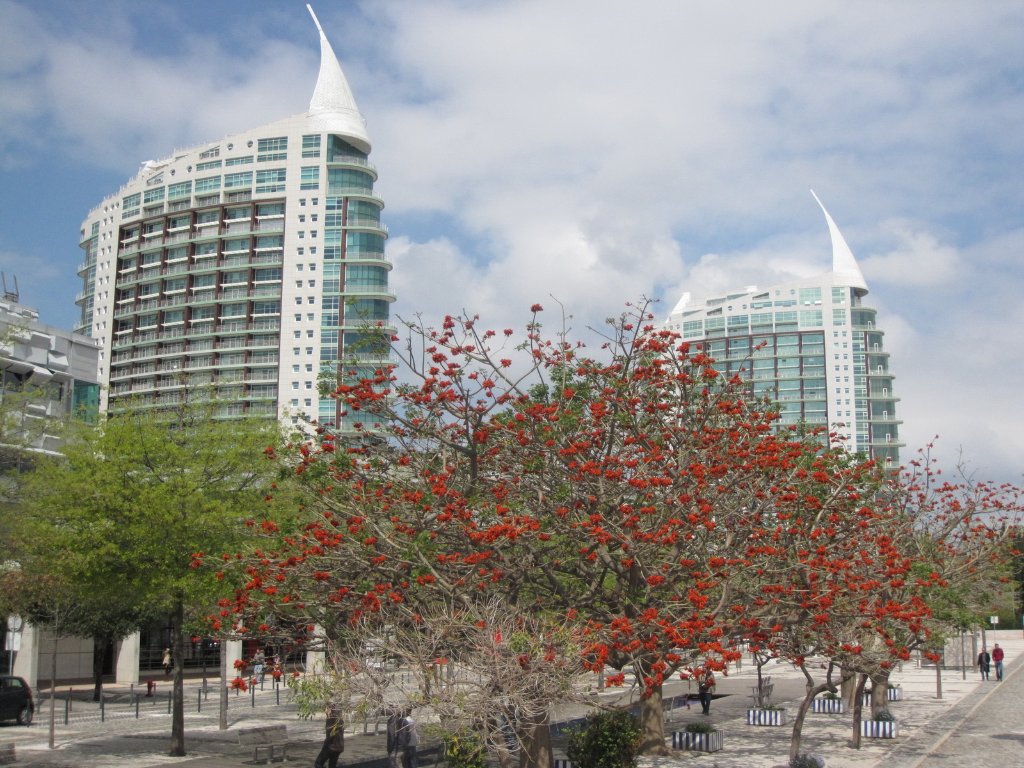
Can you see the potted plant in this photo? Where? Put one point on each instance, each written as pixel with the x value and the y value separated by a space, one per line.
pixel 769 714
pixel 830 703
pixel 882 726
pixel 698 737
pixel 893 692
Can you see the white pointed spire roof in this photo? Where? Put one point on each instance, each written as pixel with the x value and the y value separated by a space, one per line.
pixel 333 105
pixel 844 265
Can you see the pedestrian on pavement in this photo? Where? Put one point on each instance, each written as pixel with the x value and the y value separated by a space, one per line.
pixel 997 659
pixel 167 663
pixel 395 752
pixel 705 686
pixel 259 662
pixel 334 739
pixel 984 661
pixel 411 740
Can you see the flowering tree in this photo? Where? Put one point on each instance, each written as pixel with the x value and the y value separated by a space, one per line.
pixel 612 492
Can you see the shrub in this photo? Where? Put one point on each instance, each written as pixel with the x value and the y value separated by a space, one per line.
pixel 700 726
pixel 464 750
pixel 884 716
pixel 830 695
pixel 606 740
pixel 807 761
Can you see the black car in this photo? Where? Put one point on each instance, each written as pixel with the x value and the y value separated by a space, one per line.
pixel 16 700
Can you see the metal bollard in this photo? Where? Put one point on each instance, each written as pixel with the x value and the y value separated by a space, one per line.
pixel 136 697
pixel 170 701
pixel 103 708
pixel 199 700
pixel 67 710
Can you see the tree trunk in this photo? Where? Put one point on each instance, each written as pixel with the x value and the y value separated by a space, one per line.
pixel 938 680
pixel 879 693
pixel 53 693
pixel 801 713
pixel 652 722
pixel 848 688
pixel 222 723
pixel 536 740
pixel 99 658
pixel 858 708
pixel 178 696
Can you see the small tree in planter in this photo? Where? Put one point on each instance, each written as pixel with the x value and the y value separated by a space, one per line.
pixel 764 712
pixel 882 726
pixel 698 737
pixel 607 740
pixel 807 760
pixel 830 703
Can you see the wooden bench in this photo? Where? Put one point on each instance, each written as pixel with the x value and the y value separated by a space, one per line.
pixel 7 754
pixel 266 737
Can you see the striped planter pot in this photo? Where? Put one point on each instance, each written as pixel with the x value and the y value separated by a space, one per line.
pixel 891 694
pixel 766 717
pixel 879 729
pixel 563 762
pixel 828 706
pixel 697 742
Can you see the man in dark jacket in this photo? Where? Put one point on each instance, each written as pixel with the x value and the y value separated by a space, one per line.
pixel 984 661
pixel 334 740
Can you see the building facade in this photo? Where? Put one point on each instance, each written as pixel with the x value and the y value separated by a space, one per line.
pixel 46 374
pixel 812 346
pixel 250 270
pixel 246 268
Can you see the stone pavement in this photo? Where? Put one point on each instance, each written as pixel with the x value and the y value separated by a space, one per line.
pixel 924 722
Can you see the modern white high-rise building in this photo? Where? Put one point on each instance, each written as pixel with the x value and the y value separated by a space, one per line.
pixel 810 345
pixel 246 266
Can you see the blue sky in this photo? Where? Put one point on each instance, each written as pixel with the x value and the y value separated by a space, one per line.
pixel 589 153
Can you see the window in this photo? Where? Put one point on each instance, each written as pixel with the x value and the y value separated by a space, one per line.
pixel 270 150
pixel 311 146
pixel 130 205
pixel 310 177
pixel 246 160
pixel 234 180
pixel 266 308
pixel 207 165
pixel 207 184
pixel 270 181
pixel 154 195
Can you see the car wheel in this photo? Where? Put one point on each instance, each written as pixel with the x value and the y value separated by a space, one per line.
pixel 25 716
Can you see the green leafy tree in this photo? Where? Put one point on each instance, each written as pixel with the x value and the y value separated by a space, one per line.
pixel 134 500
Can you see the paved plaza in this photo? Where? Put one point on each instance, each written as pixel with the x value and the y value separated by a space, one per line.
pixel 974 720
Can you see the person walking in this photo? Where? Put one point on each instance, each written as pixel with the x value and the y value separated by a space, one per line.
pixel 411 740
pixel 259 662
pixel 997 659
pixel 393 729
pixel 984 661
pixel 334 739
pixel 705 686
pixel 167 663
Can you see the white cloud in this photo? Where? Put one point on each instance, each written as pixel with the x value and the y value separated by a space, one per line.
pixel 597 152
pixel 917 258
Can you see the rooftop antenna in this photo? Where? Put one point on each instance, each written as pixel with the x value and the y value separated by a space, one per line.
pixel 10 295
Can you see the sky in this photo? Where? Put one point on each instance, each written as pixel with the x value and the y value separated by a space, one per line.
pixel 583 154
